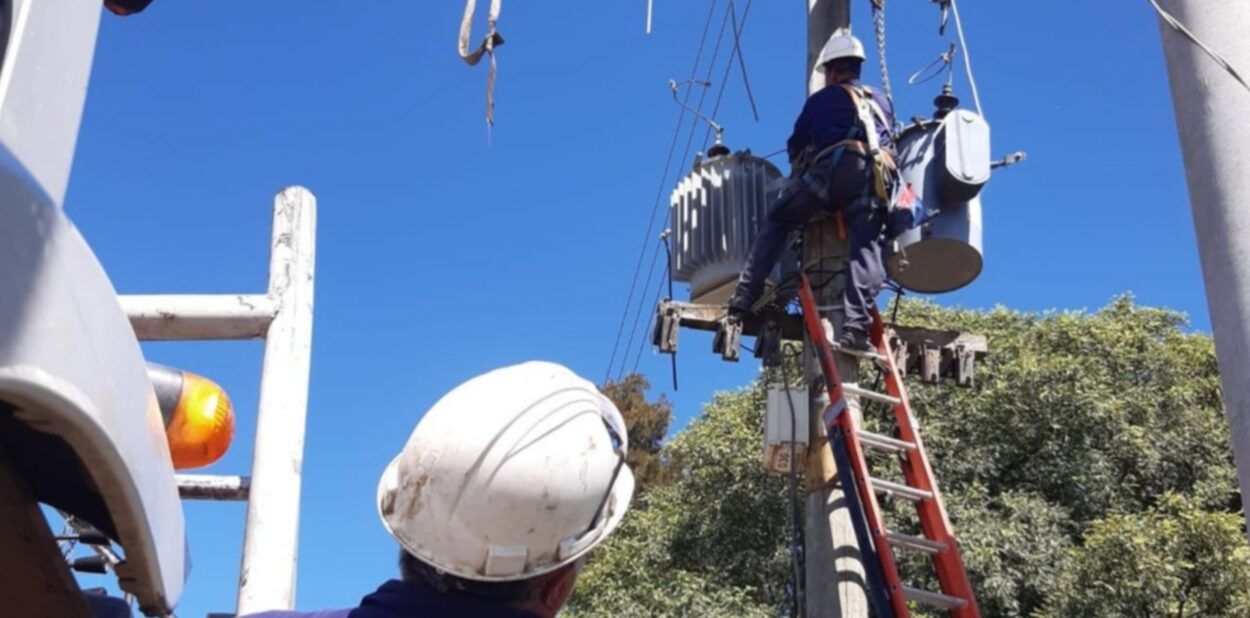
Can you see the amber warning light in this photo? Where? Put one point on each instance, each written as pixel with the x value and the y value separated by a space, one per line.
pixel 199 418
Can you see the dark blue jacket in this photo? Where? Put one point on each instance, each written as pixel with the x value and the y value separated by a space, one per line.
pixel 397 599
pixel 829 115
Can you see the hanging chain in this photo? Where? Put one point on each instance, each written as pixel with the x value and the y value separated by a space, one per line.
pixel 878 21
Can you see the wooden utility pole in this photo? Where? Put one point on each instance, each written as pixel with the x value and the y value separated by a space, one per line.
pixel 835 582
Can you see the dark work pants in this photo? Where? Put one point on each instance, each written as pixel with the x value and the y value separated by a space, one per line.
pixel 843 186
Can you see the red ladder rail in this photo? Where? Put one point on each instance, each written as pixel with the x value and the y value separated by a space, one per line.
pixel 838 413
pixel 921 487
pixel 918 473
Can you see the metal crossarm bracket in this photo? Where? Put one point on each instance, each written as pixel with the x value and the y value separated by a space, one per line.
pixel 925 352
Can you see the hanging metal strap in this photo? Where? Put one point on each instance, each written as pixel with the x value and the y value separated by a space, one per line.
pixel 489 43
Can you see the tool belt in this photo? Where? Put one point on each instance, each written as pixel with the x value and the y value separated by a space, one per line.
pixel 884 169
pixel 860 148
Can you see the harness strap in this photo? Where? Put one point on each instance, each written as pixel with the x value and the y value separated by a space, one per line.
pixel 866 118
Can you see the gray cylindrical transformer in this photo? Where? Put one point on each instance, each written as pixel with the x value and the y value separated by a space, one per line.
pixel 715 213
pixel 946 162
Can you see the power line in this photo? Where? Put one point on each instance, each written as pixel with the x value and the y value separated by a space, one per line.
pixel 659 194
pixel 963 44
pixel 642 345
pixel 698 108
pixel 720 93
pixel 742 63
pixel 720 38
pixel 655 258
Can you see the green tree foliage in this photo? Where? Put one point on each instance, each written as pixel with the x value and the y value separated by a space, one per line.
pixel 1175 559
pixel 647 423
pixel 712 543
pixel 1091 455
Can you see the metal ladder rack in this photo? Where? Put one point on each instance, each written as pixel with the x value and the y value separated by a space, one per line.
pixel 849 443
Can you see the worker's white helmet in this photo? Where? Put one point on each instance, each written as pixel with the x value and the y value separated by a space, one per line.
pixel 512 474
pixel 841 45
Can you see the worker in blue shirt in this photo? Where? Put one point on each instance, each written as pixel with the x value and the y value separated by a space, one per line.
pixel 842 155
pixel 499 494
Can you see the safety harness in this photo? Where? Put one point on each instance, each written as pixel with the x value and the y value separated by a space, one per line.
pixel 861 139
pixel 899 201
pixel 883 167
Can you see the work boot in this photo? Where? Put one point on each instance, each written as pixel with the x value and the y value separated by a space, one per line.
pixel 855 340
pixel 738 307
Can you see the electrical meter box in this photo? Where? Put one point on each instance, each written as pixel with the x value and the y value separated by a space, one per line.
pixel 780 453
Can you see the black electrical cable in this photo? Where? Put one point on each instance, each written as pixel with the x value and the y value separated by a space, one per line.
pixel 633 331
pixel 642 343
pixel 796 545
pixel 898 298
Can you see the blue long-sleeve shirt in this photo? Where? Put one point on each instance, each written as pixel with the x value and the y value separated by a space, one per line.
pixel 412 599
pixel 828 116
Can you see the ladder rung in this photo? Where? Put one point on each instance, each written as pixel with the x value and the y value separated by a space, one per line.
pixel 871 395
pixel 903 491
pixel 872 356
pixel 933 598
pixel 884 443
pixel 915 543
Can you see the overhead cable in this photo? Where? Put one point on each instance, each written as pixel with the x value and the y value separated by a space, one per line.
pixel 1179 27
pixel 633 332
pixel 963 44
pixel 742 63
pixel 720 38
pixel 697 109
pixel 642 345
pixel 672 148
pixel 720 93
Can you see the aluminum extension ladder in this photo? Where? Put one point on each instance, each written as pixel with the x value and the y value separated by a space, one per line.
pixel 877 544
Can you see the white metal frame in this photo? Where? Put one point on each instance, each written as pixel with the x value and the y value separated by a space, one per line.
pixel 283 318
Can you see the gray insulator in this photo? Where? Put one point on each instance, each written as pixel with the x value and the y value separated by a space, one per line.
pixel 715 212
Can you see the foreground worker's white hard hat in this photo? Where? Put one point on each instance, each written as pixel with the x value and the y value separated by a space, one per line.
pixel 512 474
pixel 841 45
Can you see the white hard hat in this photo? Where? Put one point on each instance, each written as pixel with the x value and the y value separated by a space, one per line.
pixel 512 474
pixel 841 45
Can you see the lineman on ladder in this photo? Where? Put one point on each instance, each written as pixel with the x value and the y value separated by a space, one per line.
pixel 842 160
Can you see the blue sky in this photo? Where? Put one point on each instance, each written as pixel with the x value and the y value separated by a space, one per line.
pixel 441 256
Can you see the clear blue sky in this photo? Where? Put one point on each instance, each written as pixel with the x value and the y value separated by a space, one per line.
pixel 441 256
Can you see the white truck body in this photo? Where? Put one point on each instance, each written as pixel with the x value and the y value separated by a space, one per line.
pixel 71 370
